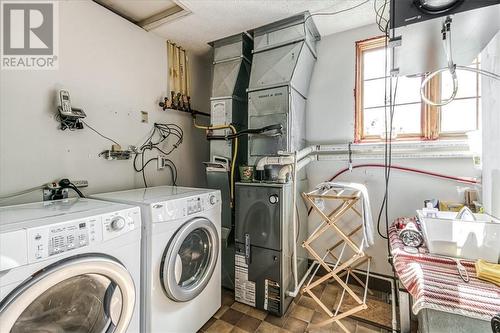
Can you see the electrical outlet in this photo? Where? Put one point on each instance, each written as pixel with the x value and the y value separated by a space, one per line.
pixel 80 183
pixel 160 163
pixel 144 117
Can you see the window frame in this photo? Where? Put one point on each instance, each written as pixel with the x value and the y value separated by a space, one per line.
pixel 430 115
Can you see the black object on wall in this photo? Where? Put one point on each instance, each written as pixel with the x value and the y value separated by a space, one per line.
pixel 405 12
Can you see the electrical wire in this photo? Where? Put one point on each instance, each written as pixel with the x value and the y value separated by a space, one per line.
pixel 276 130
pixel 68 123
pixel 388 162
pixel 336 12
pixel 145 164
pixel 99 133
pixel 235 150
pixel 74 188
pixel 159 134
pixel 381 21
pixel 173 171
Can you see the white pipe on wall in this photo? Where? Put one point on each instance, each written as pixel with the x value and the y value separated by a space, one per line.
pixel 285 170
pixel 294 220
pixel 305 161
pixel 274 160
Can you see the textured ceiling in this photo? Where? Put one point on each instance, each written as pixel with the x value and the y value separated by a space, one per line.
pixel 214 19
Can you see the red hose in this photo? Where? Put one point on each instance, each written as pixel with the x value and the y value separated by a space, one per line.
pixel 422 172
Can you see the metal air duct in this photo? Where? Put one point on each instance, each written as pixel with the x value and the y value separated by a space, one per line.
pixel 283 59
pixel 228 105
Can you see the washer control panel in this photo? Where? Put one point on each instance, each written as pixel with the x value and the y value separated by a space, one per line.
pixel 67 237
pixel 58 238
pixel 51 240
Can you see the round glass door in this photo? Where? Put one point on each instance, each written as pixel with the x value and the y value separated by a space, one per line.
pixel 189 260
pixel 437 6
pixel 98 298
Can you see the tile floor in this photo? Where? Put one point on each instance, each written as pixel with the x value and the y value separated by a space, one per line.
pixel 234 317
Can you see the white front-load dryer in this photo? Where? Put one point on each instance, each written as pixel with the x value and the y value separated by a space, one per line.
pixel 181 281
pixel 70 266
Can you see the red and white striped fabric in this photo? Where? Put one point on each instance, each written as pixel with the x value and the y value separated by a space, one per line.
pixel 434 282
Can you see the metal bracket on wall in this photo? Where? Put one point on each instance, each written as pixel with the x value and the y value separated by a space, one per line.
pixel 54 193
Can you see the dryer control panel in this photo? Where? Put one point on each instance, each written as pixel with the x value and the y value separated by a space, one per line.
pixel 181 208
pixel 47 241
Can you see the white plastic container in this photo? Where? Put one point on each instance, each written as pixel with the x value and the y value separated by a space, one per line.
pixel 445 235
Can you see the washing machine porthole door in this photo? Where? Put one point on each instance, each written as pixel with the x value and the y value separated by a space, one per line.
pixel 189 260
pixel 88 294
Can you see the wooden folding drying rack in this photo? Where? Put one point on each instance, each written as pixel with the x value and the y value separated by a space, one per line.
pixel 347 198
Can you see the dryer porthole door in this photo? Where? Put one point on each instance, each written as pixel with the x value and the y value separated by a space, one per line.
pixel 189 260
pixel 82 294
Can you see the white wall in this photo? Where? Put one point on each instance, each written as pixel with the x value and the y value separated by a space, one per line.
pixel 113 70
pixel 330 118
pixel 490 61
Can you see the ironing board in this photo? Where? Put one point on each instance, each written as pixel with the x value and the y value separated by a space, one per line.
pixel 442 300
pixel 351 254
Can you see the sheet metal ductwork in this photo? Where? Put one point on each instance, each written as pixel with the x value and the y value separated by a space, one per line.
pixel 283 59
pixel 228 105
pixel 416 37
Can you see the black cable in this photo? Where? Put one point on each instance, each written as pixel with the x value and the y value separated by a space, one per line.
pixel 66 183
pixel 173 171
pixel 100 134
pixel 74 188
pixel 159 134
pixel 262 130
pixel 384 201
pixel 147 162
pixel 379 13
pixel 392 112
pixel 142 170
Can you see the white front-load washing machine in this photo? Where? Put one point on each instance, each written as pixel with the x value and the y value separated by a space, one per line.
pixel 70 266
pixel 181 281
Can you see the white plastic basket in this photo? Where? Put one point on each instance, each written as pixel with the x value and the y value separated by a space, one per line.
pixel 445 235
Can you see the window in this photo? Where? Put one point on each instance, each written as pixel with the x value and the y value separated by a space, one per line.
pixel 413 119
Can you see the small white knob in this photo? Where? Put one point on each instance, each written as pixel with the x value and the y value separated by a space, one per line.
pixel 213 200
pixel 117 223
